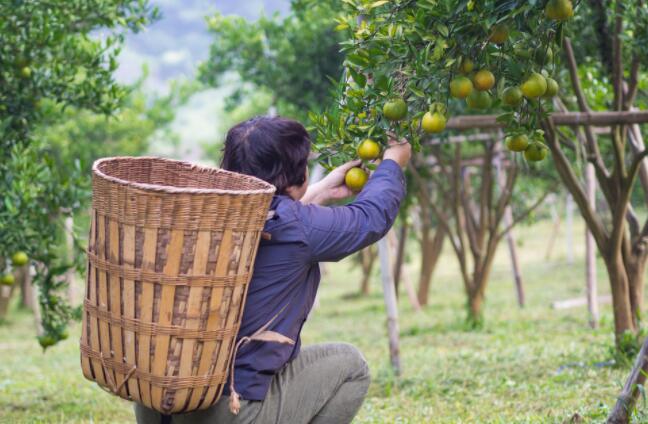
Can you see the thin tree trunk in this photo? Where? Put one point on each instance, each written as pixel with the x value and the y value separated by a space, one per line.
pixel 636 270
pixel 23 277
pixel 430 253
pixel 515 266
pixel 555 229
pixel 619 284
pixel 569 227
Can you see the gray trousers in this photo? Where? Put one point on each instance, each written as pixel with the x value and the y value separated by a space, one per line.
pixel 325 384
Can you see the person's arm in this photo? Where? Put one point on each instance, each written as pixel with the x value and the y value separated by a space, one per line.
pixel 335 232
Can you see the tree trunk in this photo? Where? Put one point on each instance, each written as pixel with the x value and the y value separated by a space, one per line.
pixel 475 309
pixel 430 252
pixel 368 258
pixel 636 270
pixel 622 411
pixel 619 285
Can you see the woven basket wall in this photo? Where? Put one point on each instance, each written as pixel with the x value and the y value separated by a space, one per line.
pixel 170 256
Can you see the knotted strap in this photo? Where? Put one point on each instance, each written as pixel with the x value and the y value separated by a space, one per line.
pixel 261 335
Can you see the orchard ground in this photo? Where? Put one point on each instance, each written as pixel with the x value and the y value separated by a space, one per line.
pixel 531 365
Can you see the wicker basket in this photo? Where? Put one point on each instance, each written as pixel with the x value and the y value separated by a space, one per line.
pixel 171 252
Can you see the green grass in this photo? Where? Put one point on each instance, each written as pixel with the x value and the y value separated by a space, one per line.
pixel 531 365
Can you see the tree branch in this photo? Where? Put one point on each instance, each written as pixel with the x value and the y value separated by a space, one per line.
pixel 522 216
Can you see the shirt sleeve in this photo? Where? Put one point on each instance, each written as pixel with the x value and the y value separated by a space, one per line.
pixel 336 232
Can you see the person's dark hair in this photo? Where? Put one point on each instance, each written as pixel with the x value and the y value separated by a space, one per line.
pixel 273 149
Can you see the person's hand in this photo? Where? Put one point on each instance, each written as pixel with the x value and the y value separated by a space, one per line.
pixel 399 152
pixel 330 188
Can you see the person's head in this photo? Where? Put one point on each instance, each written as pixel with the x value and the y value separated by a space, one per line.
pixel 273 149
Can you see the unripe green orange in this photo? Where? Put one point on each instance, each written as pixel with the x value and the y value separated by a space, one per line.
pixel 19 259
pixel 7 280
pixel 512 96
pixel 517 143
pixel 466 66
pixel 395 110
pixel 559 10
pixel 535 152
pixel 552 88
pixel 535 86
pixel 479 100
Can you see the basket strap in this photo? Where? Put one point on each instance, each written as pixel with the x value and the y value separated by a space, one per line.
pixel 261 335
pixel 154 329
pixel 131 370
pixel 137 274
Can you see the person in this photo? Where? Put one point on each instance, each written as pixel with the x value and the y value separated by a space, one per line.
pixel 285 383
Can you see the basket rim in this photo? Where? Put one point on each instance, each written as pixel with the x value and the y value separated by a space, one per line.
pixel 270 189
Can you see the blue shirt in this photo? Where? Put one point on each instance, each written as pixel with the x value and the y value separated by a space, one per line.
pixel 286 270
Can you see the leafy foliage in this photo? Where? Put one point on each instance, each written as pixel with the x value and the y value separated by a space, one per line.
pixel 63 54
pixel 414 49
pixel 291 58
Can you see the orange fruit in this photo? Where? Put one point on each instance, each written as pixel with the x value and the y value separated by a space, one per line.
pixel 479 100
pixel 368 150
pixel 534 86
pixel 517 143
pixel 395 110
pixel 355 179
pixel 7 280
pixel 535 152
pixel 433 122
pixel 552 88
pixel 25 72
pixel 499 34
pixel 484 80
pixel 19 259
pixel 512 96
pixel 461 87
pixel 559 10
pixel 466 66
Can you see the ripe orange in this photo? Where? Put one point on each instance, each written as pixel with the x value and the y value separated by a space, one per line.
pixel 499 34
pixel 368 150
pixel 466 66
pixel 512 96
pixel 355 179
pixel 517 143
pixel 552 88
pixel 559 10
pixel 395 110
pixel 484 80
pixel 19 259
pixel 535 152
pixel 433 122
pixel 479 100
pixel 461 87
pixel 534 86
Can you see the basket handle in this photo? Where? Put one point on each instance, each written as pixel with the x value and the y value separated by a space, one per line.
pixel 113 387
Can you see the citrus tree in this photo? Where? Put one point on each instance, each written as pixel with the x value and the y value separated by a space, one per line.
pixel 411 65
pixel 61 53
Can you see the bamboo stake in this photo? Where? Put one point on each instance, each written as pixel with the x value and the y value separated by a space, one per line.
pixel 590 252
pixel 569 224
pixel 390 305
